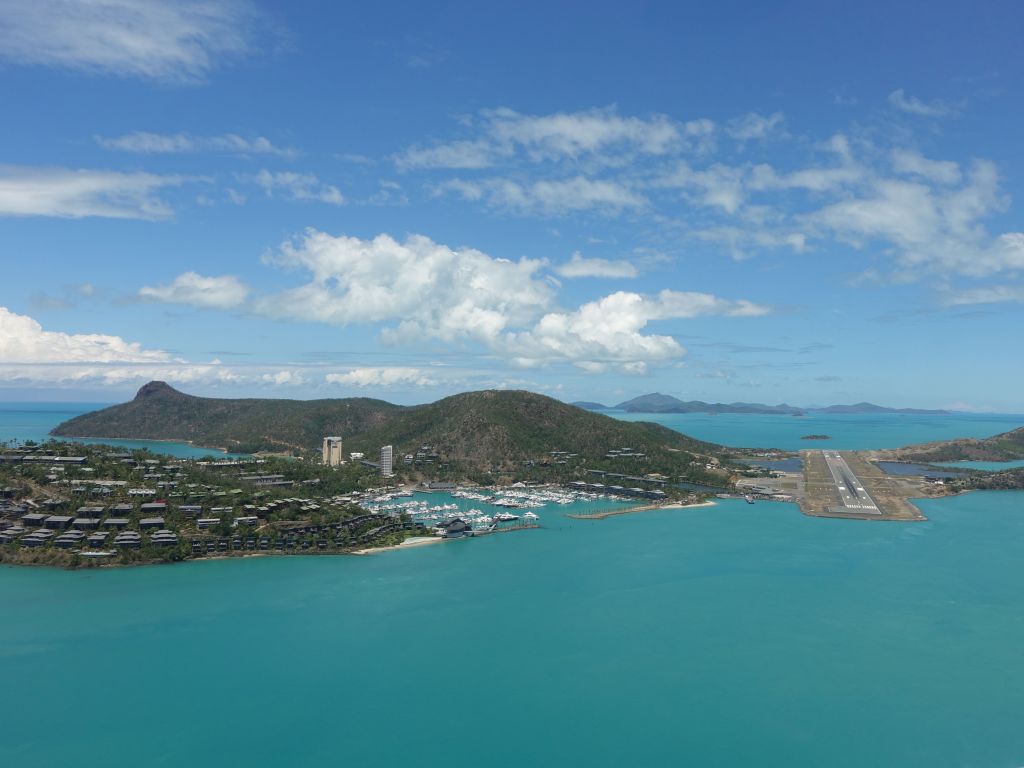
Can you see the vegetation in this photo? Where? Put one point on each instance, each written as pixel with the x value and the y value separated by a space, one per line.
pixel 490 436
pixel 1007 446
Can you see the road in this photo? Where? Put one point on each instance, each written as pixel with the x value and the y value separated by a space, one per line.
pixel 850 489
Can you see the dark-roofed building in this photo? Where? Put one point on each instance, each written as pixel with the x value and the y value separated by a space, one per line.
pixel 116 522
pixel 69 539
pixel 151 522
pixel 58 522
pixel 32 520
pixel 121 509
pixel 89 512
pixel 453 529
pixel 128 540
pixel 164 538
pixel 85 523
pixel 153 507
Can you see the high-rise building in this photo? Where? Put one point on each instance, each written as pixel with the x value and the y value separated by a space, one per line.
pixel 332 451
pixel 387 459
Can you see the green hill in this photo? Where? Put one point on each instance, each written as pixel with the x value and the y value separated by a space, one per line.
pixel 480 431
pixel 160 412
pixel 1007 446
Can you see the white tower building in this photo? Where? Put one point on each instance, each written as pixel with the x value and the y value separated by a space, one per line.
pixel 387 461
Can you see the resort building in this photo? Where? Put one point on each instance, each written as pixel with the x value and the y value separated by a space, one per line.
pixel 387 458
pixel 333 455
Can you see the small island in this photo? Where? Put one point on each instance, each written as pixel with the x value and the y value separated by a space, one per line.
pixel 816 437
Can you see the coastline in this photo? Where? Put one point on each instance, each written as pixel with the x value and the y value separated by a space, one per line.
pixel 642 508
pixel 72 438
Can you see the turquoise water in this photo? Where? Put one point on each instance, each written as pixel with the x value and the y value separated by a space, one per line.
pixel 852 432
pixel 739 635
pixel 33 421
pixel 989 466
pixel 727 636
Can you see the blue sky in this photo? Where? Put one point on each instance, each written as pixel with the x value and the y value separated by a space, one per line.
pixel 808 202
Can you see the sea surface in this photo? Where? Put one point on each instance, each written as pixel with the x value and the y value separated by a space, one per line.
pixel 734 635
pixel 33 421
pixel 849 432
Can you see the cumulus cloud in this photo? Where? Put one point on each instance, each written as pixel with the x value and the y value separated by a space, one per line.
pixel 425 289
pixel 31 355
pixel 609 331
pixel 383 377
pixel 67 193
pixel 296 186
pixel 153 39
pixel 23 340
pixel 915 106
pixel 421 290
pixel 578 266
pixel 141 142
pixel 222 292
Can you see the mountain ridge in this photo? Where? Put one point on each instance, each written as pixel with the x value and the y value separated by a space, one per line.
pixel 656 402
pixel 489 428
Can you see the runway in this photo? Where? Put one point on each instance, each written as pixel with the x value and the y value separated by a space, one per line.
pixel 849 487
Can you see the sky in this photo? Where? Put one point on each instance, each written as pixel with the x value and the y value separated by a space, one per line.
pixel 802 202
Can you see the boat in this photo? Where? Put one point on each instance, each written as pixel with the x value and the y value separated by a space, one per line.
pixel 505 517
pixel 749 498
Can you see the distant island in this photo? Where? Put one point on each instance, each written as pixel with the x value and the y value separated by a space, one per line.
pixel 656 402
pixel 816 437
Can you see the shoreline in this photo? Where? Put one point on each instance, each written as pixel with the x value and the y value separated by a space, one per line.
pixel 189 443
pixel 642 508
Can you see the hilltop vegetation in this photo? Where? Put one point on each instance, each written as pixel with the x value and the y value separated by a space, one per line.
pixel 160 412
pixel 1007 446
pixel 472 434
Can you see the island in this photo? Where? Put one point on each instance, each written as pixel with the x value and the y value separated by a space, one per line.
pixel 816 437
pixel 333 476
pixel 359 475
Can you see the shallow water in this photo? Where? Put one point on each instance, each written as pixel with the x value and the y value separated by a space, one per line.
pixel 33 421
pixel 733 635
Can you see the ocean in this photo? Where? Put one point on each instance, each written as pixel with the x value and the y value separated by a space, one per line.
pixel 33 421
pixel 724 636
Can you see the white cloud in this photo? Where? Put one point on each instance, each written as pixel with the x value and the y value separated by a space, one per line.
pixel 23 340
pixel 905 161
pixel 297 186
pixel 142 142
pixel 461 155
pixel 932 228
pixel 154 39
pixel 67 193
pixel 428 289
pixel 578 266
pixel 609 331
pixel 914 106
pixel 754 126
pixel 383 377
pixel 546 197
pixel 719 186
pixel 284 378
pixel 600 135
pixel 222 292
pixel 995 294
